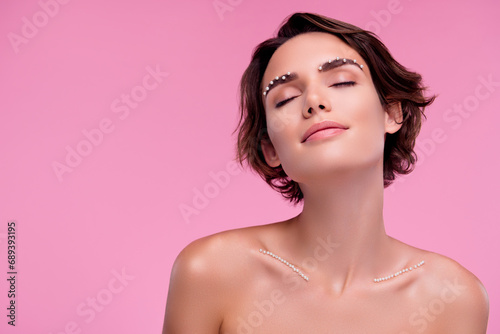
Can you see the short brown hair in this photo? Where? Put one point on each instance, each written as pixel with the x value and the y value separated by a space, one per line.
pixel 393 82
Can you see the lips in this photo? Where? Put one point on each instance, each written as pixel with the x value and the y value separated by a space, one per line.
pixel 319 127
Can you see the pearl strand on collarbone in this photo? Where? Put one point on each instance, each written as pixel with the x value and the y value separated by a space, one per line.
pixel 402 271
pixel 294 268
pixel 376 280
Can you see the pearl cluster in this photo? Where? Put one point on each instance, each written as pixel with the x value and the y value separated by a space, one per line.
pixel 295 269
pixel 275 80
pixel 301 274
pixel 402 271
pixel 320 68
pixel 344 60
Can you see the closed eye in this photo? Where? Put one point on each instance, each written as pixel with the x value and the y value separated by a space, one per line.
pixel 345 83
pixel 340 84
pixel 282 103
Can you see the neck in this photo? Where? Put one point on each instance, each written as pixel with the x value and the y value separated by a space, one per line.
pixel 342 228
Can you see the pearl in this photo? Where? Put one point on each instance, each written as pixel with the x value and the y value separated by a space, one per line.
pixel 320 68
pixel 276 79
pixel 402 271
pixel 306 278
pixel 291 266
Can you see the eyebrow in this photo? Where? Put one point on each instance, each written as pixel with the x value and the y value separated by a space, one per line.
pixel 327 66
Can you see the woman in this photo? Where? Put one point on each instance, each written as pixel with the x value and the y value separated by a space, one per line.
pixel 328 119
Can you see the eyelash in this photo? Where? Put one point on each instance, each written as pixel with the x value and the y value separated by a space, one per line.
pixel 282 103
pixel 340 84
pixel 345 83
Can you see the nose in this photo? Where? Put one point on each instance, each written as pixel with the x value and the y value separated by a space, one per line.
pixel 316 100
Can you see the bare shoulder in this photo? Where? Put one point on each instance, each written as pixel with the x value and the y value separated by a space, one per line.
pixel 218 264
pixel 453 296
pixel 442 269
pixel 211 263
pixel 218 254
pixel 221 263
pixel 205 278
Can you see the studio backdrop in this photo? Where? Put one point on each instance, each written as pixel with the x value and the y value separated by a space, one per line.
pixel 117 146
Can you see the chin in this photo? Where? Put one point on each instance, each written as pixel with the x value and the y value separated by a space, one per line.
pixel 320 170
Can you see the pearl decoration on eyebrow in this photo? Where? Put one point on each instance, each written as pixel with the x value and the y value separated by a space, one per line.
pixel 343 60
pixel 275 80
pixel 320 68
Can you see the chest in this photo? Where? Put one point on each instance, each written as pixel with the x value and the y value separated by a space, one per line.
pixel 299 309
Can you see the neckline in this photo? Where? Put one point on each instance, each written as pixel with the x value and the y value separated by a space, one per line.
pixel 299 272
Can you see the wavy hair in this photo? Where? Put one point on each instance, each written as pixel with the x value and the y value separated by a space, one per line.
pixel 393 82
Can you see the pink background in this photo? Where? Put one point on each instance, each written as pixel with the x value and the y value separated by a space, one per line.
pixel 118 209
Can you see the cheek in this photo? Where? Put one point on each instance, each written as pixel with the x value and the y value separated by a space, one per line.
pixel 366 110
pixel 369 133
pixel 282 126
pixel 279 121
pixel 282 139
pixel 366 119
pixel 282 131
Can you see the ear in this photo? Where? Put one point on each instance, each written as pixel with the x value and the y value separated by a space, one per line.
pixel 269 152
pixel 393 118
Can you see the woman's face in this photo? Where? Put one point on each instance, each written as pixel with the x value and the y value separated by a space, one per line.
pixel 342 92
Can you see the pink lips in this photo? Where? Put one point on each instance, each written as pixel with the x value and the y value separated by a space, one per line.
pixel 323 130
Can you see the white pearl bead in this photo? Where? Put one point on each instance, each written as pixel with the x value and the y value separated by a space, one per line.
pixel 301 274
pixel 402 271
pixel 306 278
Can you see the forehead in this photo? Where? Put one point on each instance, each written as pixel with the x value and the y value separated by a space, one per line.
pixel 305 52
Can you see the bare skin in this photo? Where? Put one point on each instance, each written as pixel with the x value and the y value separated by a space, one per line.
pixel 223 284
